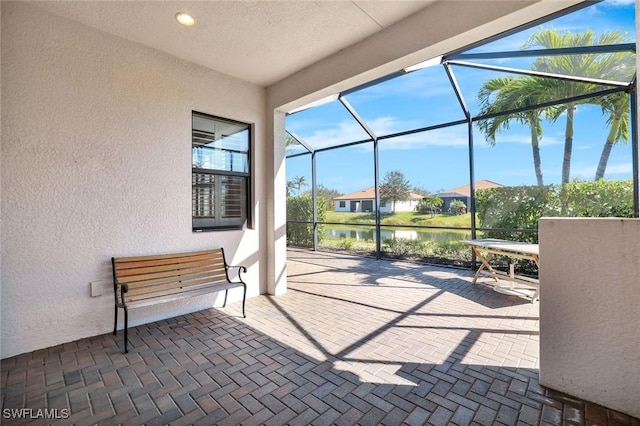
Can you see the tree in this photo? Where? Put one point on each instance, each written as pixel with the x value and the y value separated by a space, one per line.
pixel 299 182
pixel 618 66
pixel 290 140
pixel 327 193
pixel 617 106
pixel 421 190
pixel 573 65
pixel 507 93
pixel 395 188
pixel 290 187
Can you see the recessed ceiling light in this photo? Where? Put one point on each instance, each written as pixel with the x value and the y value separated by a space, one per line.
pixel 185 19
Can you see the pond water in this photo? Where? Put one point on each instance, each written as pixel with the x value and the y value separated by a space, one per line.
pixel 368 233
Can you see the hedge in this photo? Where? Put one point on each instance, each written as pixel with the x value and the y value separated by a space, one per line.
pixel 520 207
pixel 300 208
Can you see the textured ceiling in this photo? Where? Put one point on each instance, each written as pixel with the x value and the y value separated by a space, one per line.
pixel 257 41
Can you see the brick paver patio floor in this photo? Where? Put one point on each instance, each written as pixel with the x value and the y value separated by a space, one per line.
pixel 354 341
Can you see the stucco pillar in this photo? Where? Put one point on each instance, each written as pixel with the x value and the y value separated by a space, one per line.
pixel 276 239
pixel 637 92
pixel 589 312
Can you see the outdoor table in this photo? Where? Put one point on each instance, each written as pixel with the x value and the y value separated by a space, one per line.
pixel 486 249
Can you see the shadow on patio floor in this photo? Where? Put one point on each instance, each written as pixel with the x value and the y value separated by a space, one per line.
pixel 354 341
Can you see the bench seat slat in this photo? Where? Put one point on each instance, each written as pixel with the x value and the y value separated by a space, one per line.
pixel 122 266
pixel 125 267
pixel 171 295
pixel 149 284
pixel 160 257
pixel 146 268
pixel 176 286
pixel 212 270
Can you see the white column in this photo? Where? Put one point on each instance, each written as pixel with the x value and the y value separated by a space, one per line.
pixel 276 238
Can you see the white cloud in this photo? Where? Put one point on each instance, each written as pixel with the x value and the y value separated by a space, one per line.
pixel 619 2
pixel 350 131
pixel 344 132
pixel 583 172
pixel 526 140
pixel 388 125
pixel 619 169
pixel 443 137
pixel 551 140
pixel 507 44
pixel 512 137
pixel 420 84
pixel 583 147
pixel 588 172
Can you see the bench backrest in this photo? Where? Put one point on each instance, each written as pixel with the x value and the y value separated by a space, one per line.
pixel 166 272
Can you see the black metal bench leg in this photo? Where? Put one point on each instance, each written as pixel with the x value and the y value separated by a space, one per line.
pixel 243 313
pixel 224 304
pixel 126 326
pixel 244 299
pixel 115 321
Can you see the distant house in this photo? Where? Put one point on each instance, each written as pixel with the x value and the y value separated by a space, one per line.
pixel 463 193
pixel 364 201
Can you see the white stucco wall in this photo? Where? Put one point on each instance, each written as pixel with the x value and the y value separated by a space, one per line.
pixel 96 162
pixel 590 310
pixel 346 208
pixel 401 206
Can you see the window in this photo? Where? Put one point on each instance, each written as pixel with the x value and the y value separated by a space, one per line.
pixel 343 204
pixel 383 204
pixel 220 173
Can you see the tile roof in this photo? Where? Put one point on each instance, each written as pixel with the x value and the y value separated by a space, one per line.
pixel 370 194
pixel 466 189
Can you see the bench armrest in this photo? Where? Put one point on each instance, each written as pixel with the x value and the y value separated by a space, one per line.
pixel 240 270
pixel 124 288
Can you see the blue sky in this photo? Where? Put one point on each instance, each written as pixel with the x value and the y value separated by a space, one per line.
pixel 439 160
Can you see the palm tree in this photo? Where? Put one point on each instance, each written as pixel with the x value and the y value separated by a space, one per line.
pixel 290 140
pixel 573 65
pixel 290 187
pixel 621 67
pixel 508 93
pixel 617 106
pixel 299 182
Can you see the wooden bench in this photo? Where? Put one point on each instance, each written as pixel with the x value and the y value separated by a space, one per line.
pixel 149 280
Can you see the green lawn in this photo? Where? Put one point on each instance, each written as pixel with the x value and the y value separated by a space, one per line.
pixel 401 218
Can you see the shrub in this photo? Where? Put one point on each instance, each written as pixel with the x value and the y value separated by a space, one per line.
pixel 301 209
pixel 347 243
pixel 398 246
pixel 457 207
pixel 517 207
pixel 430 205
pixel 454 250
pixel 599 198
